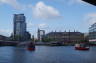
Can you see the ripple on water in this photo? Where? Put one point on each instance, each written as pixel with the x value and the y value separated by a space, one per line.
pixel 47 54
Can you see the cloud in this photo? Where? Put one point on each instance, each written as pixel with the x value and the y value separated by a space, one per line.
pixel 90 18
pixel 77 1
pixel 14 3
pixel 43 11
pixel 5 32
pixel 71 2
pixel 30 25
pixel 42 25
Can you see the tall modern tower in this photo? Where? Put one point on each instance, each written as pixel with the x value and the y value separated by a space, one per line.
pixel 19 24
pixel 19 31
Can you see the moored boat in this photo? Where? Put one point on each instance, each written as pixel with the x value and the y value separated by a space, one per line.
pixel 81 47
pixel 31 46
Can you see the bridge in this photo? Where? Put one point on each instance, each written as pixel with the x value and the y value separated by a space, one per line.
pixel 8 43
pixel 14 43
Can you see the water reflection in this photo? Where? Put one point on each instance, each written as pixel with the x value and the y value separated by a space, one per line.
pixel 45 54
pixel 19 56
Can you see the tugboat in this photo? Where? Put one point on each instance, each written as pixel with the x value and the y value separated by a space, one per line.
pixel 81 47
pixel 31 46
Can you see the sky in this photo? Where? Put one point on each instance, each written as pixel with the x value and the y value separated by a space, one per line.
pixel 48 15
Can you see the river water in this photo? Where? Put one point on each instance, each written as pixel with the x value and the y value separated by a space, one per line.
pixel 47 54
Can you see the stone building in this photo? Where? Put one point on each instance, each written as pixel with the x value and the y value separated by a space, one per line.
pixel 66 37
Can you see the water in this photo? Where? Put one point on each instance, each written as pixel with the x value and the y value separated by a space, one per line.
pixel 47 54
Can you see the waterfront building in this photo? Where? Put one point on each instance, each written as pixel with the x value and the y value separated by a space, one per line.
pixel 92 33
pixel 3 37
pixel 66 37
pixel 19 29
pixel 86 36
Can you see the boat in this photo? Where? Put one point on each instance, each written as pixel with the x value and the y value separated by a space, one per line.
pixel 81 47
pixel 31 47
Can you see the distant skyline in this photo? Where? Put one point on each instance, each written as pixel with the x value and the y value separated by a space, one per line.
pixel 49 15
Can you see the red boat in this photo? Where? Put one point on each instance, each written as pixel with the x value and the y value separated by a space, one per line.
pixel 31 47
pixel 81 47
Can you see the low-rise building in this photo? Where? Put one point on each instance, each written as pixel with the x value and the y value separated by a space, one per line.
pixel 66 37
pixel 3 37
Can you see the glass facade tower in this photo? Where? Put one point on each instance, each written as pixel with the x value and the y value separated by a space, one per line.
pixel 19 24
pixel 92 34
pixel 19 30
